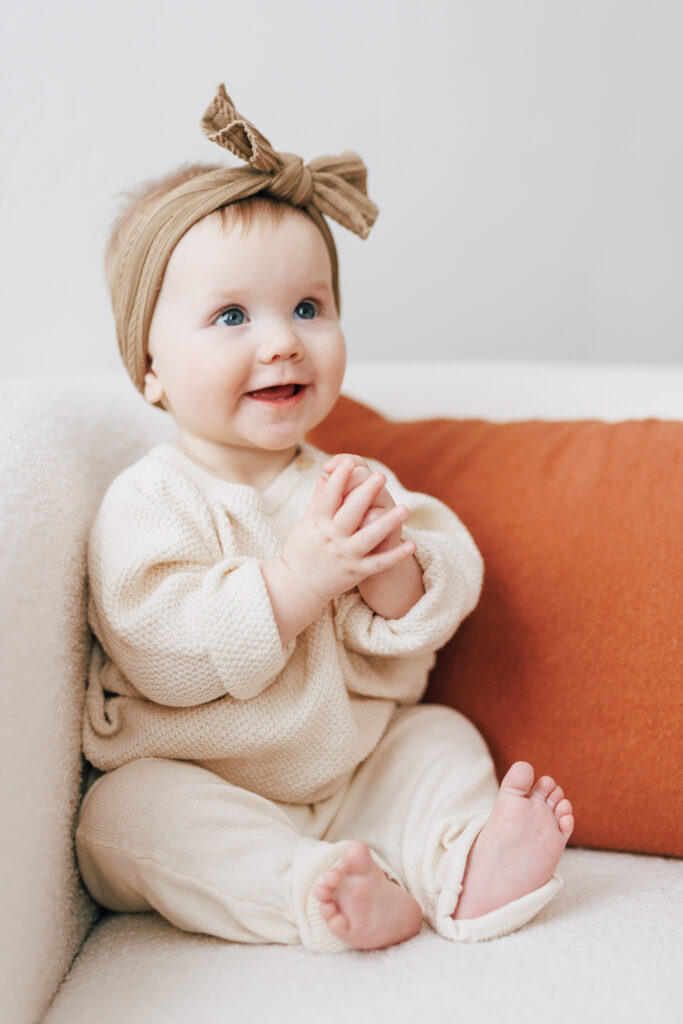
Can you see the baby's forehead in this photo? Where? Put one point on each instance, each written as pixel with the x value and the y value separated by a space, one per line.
pixel 228 229
pixel 238 251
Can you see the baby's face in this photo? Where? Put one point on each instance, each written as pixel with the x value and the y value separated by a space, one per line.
pixel 245 341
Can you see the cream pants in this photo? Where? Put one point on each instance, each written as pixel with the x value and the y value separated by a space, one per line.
pixel 170 836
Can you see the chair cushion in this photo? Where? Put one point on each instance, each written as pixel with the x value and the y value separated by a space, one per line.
pixel 573 658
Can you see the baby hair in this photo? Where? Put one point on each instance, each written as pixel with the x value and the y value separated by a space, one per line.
pixel 135 201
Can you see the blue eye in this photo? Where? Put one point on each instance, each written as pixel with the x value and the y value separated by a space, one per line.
pixel 231 317
pixel 305 310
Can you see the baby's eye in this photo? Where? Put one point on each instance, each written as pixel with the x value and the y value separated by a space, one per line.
pixel 306 310
pixel 231 317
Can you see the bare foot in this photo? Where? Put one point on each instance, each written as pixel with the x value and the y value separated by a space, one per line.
pixel 520 845
pixel 364 907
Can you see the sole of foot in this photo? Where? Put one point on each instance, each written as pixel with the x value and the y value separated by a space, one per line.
pixel 520 845
pixel 364 907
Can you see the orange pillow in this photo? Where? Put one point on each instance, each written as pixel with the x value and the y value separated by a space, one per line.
pixel 573 658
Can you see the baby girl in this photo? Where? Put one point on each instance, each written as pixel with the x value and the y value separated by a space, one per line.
pixel 265 616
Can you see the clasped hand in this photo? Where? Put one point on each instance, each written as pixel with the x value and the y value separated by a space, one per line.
pixel 349 531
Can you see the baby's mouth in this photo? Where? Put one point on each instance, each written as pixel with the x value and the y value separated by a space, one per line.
pixel 277 393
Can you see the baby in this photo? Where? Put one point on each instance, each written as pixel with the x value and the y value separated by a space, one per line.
pixel 265 616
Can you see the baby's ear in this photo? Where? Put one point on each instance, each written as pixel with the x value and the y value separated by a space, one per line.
pixel 152 390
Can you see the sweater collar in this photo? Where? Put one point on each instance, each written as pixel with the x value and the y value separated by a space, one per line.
pixel 303 468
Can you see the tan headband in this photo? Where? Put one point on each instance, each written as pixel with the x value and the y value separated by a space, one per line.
pixel 333 185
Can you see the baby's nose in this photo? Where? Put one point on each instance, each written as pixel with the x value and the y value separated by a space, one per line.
pixel 281 343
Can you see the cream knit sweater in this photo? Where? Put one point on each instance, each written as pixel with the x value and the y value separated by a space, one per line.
pixel 187 662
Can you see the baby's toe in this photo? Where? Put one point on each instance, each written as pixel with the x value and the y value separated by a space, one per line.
pixel 564 815
pixel 564 807
pixel 337 923
pixel 333 878
pixel 555 796
pixel 328 910
pixel 543 787
pixel 357 858
pixel 322 892
pixel 518 779
pixel 566 824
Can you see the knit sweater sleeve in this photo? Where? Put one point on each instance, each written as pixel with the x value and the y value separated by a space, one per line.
pixel 185 620
pixel 452 575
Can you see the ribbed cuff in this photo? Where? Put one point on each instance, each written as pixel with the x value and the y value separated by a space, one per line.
pixel 498 922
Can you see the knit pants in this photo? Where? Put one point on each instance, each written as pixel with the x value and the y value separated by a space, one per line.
pixel 170 836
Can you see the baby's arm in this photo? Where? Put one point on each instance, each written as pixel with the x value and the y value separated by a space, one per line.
pixel 393 592
pixel 185 619
pixel 334 547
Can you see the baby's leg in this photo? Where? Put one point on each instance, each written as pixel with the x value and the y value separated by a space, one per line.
pixel 170 836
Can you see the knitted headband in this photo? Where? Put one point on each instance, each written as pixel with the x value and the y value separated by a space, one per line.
pixel 335 185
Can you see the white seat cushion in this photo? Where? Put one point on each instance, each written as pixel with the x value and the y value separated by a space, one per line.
pixel 603 950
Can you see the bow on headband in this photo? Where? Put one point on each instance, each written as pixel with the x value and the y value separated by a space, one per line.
pixel 337 185
pixel 332 185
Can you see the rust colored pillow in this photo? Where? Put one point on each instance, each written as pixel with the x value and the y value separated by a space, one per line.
pixel 573 658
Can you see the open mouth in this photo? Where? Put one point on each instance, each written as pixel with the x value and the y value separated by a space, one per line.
pixel 278 393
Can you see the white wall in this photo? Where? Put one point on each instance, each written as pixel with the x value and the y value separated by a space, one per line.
pixel 526 156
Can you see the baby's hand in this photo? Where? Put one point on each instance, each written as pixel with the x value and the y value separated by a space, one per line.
pixel 394 592
pixel 381 502
pixel 333 547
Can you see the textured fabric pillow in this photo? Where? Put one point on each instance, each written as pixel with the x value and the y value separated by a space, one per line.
pixel 573 659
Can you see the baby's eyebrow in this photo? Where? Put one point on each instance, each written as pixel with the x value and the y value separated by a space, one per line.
pixel 226 294
pixel 221 294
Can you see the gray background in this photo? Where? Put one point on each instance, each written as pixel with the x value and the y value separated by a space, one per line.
pixel 526 156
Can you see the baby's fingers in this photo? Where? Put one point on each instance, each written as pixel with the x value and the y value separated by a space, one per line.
pixel 361 470
pixel 357 503
pixel 378 529
pixel 334 461
pixel 329 494
pixel 374 564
